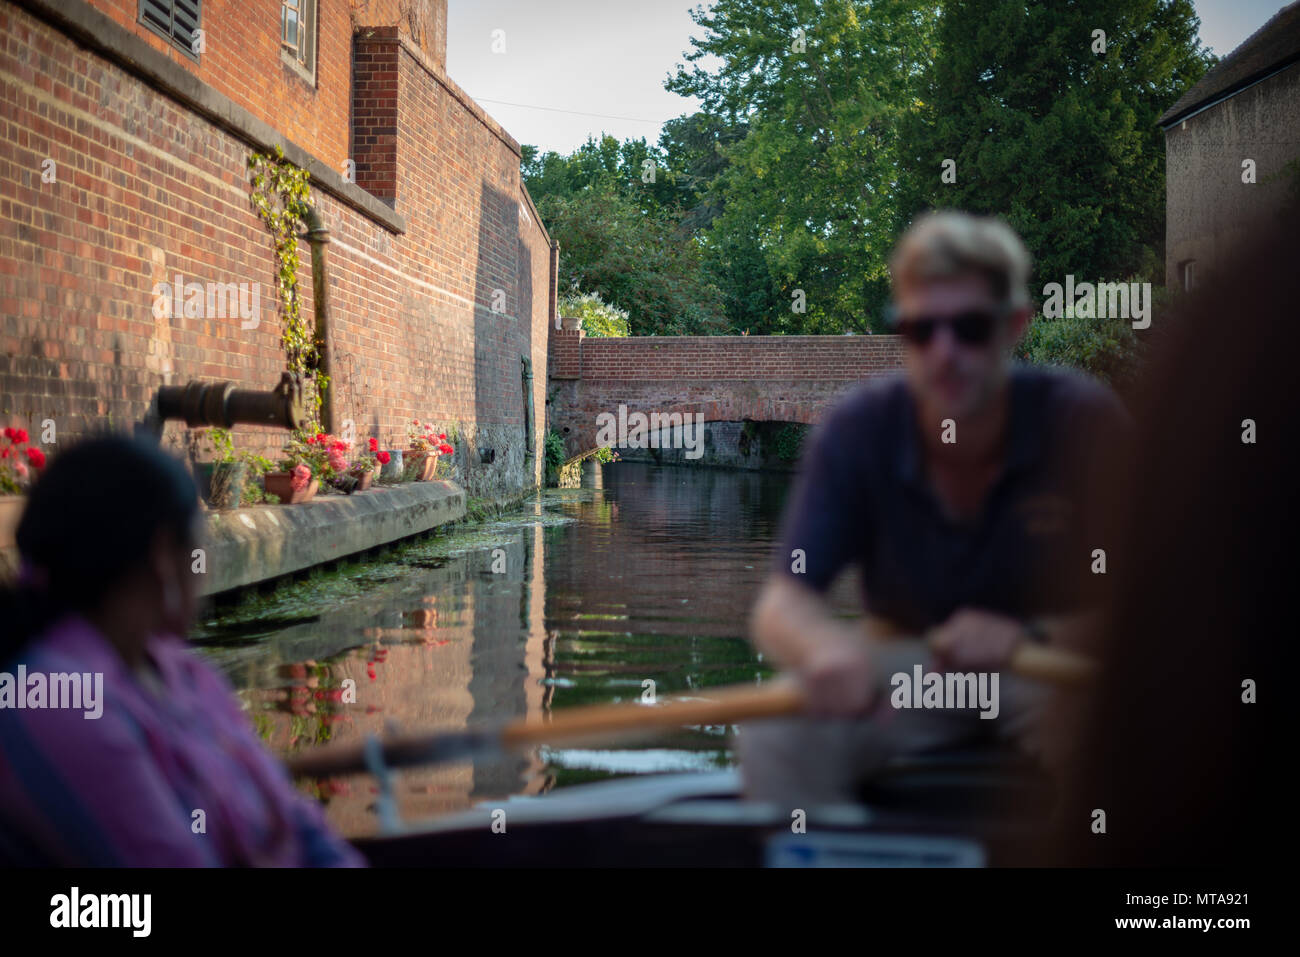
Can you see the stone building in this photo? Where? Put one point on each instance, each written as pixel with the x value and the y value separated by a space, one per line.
pixel 1232 148
pixel 127 128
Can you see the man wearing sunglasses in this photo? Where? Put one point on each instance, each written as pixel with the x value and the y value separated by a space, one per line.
pixel 961 493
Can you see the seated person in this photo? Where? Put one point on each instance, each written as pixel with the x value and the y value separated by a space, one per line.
pixel 961 492
pixel 156 764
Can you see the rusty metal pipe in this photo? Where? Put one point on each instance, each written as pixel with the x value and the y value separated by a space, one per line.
pixel 221 404
pixel 318 237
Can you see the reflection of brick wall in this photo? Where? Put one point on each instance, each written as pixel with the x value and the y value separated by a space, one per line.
pixel 149 187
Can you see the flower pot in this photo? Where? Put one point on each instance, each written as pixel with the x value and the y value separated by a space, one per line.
pixel 11 510
pixel 364 477
pixel 420 465
pixel 392 472
pixel 221 483
pixel 280 484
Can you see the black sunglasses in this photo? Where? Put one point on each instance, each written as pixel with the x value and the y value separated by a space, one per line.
pixel 974 327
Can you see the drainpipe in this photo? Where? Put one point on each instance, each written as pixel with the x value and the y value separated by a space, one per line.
pixel 318 236
pixel 527 364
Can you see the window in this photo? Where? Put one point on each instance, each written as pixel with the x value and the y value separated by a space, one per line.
pixel 298 34
pixel 174 20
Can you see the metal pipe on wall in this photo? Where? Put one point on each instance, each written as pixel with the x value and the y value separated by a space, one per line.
pixel 318 237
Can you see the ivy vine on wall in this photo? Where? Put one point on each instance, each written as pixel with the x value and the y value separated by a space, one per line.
pixel 280 195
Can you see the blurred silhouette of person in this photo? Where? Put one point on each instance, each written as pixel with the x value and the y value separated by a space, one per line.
pixel 962 492
pixel 159 765
pixel 1182 744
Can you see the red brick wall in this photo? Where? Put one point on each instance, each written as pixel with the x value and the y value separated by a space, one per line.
pixel 375 60
pixel 147 189
pixel 739 357
pixel 242 60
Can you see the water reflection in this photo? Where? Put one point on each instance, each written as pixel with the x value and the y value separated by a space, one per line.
pixel 584 599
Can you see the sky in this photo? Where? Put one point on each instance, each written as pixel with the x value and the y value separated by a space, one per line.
pixel 570 69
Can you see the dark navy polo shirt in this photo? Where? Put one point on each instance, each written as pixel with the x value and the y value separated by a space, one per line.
pixel 862 498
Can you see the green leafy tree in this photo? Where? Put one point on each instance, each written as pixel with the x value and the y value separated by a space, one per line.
pixel 1051 132
pixel 636 259
pixel 805 198
pixel 598 317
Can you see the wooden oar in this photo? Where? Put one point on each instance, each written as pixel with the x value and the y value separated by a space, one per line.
pixel 723 705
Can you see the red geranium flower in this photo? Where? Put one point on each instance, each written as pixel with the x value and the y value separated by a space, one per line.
pixel 19 436
pixel 9 433
pixel 445 449
pixel 374 445
pixel 36 457
pixel 382 458
pixel 442 436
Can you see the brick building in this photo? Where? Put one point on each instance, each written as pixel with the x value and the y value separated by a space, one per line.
pixel 127 127
pixel 1232 148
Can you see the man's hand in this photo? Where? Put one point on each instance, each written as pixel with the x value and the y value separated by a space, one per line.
pixel 972 640
pixel 838 677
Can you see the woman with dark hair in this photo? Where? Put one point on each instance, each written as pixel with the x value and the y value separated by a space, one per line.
pixel 118 746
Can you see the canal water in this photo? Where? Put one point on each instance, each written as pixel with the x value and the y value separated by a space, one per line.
pixel 579 598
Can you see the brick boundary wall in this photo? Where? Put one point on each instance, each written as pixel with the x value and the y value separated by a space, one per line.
pixel 429 321
pixel 727 378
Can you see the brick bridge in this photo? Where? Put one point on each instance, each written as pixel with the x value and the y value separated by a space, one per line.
pixel 728 378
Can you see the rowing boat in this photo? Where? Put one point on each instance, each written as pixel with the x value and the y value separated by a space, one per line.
pixel 960 809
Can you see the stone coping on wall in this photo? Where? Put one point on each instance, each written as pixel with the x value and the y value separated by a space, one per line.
pixel 245 546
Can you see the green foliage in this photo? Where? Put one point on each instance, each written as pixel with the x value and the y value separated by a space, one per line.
pixel 806 197
pixel 598 317
pixel 1060 140
pixel 604 455
pixel 1105 348
pixel 280 195
pixel 637 259
pixel 789 441
pixel 219 444
pixel 804 164
pixel 553 453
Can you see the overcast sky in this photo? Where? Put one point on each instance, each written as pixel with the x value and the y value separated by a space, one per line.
pixel 565 60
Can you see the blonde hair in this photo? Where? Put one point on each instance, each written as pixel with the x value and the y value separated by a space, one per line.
pixel 948 243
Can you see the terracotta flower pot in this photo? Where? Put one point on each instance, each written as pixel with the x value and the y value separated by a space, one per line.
pixel 364 477
pixel 280 484
pixel 420 465
pixel 11 510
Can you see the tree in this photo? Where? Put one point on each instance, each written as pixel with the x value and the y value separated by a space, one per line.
pixel 805 197
pixel 1051 132
pixel 637 261
pixel 598 317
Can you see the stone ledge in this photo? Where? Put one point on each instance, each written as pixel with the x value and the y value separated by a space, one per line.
pixel 249 545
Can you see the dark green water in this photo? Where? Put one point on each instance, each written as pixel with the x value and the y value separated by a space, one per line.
pixel 580 598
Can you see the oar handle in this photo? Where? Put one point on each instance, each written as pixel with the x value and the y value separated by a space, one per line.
pixel 1037 662
pixel 1053 665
